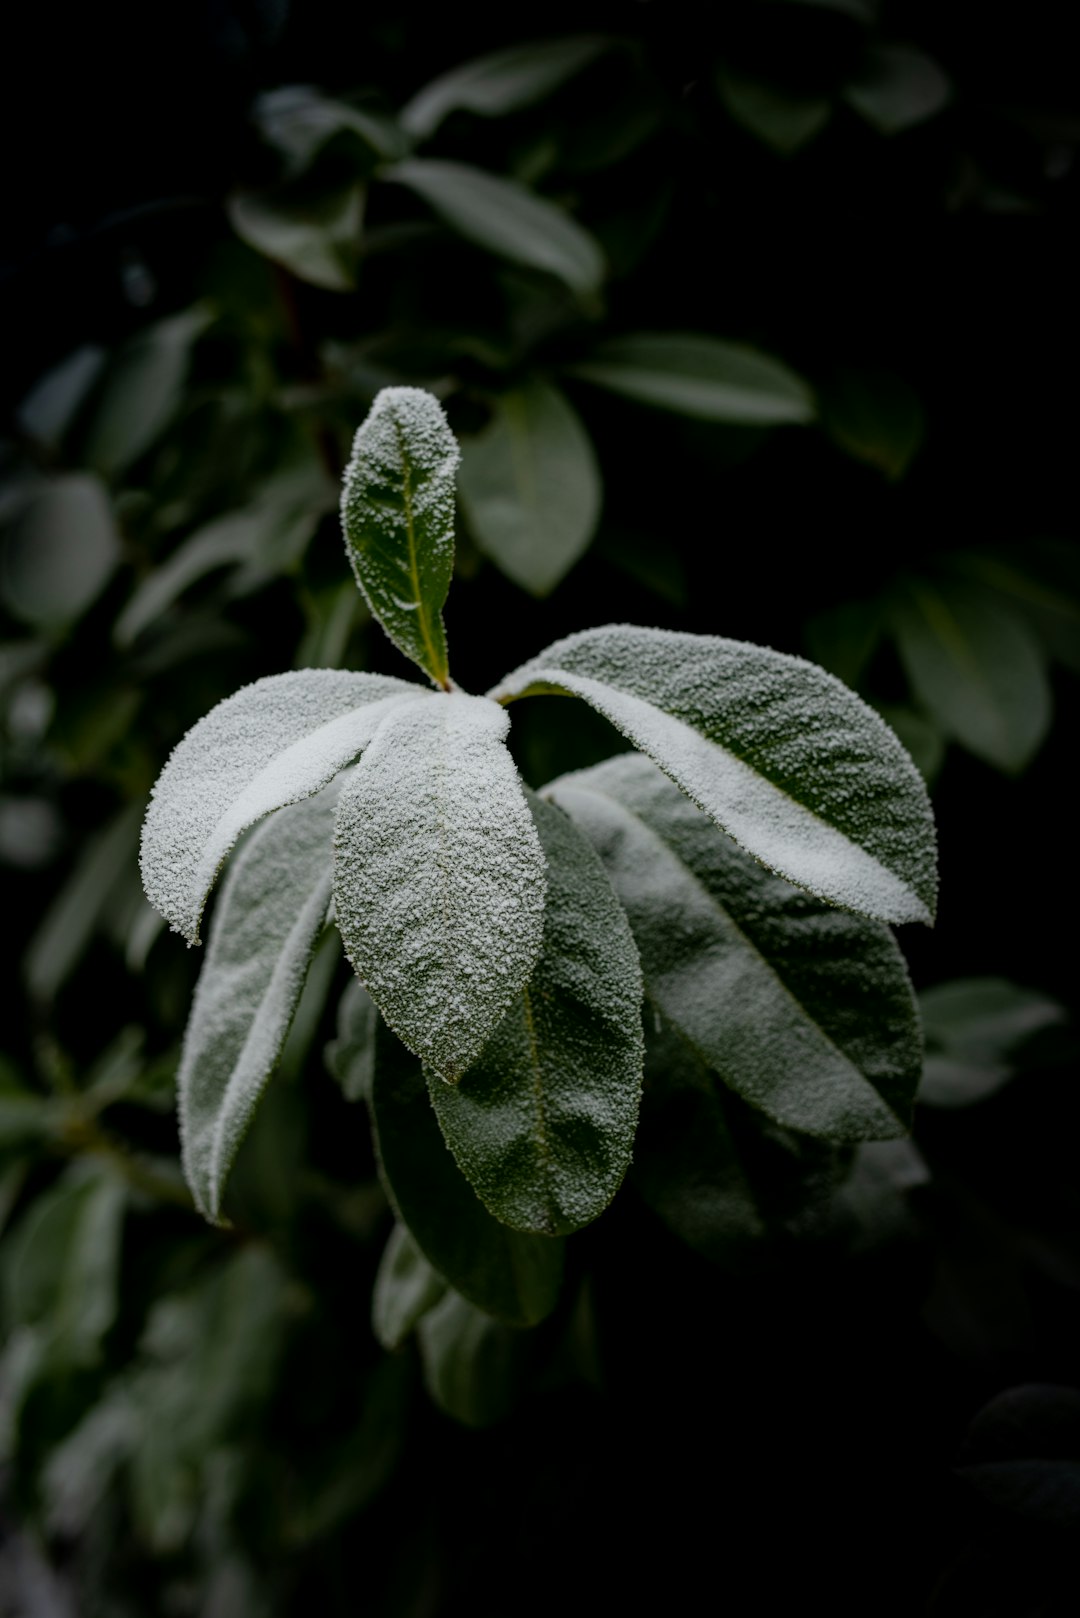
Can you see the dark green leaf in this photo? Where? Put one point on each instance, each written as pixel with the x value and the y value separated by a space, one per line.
pixel 60 552
pixel 1022 1452
pixel 351 1056
pixel 873 1201
pixel 897 86
pixel 779 117
pixel 313 233
pixel 876 417
pixel 79 907
pixel 505 81
pixel 920 736
pixel 141 391
pixel 52 404
pixel 530 486
pixel 786 760
pixel 472 1364
pixel 543 1124
pixel 700 376
pixel 975 1029
pixel 299 120
pixel 803 1010
pixel 844 639
pixel 406 1287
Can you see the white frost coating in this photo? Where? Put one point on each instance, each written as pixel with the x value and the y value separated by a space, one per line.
pixel 788 761
pixel 439 876
pixel 270 744
pixel 804 1010
pixel 272 908
pixel 397 512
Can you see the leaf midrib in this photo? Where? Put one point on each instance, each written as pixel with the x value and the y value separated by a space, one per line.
pixel 436 666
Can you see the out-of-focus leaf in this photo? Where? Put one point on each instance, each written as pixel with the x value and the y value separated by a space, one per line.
pixel 353 1472
pixel 975 667
pixel 862 10
pixel 897 86
pixel 1040 579
pixel 506 219
pixel 299 120
pixel 52 404
pixel 530 486
pixel 700 376
pixel 31 831
pixel 332 615
pixel 472 1364
pixel 351 1056
pixel 781 118
pixel 504 1272
pixel 313 233
pixel 25 1116
pixel 81 1470
pixel 656 566
pixel 77 910
pixel 505 81
pixel 975 1029
pixel 141 391
pixel 873 1200
pixel 844 639
pixel 60 552
pixel 876 417
pixel 1022 1452
pixel 920 736
pixel 406 1287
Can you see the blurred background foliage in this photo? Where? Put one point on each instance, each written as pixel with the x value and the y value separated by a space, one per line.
pixel 754 320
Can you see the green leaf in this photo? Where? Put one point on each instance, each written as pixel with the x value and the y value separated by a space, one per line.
pixel 351 1056
pixel 785 759
pixel 1041 580
pixel 266 924
pixel 300 120
pixel 506 219
pixel 700 376
pixel 60 552
pixel 315 233
pixel 80 906
pixel 439 876
pixel 504 81
pixel 876 417
pixel 896 87
pixel 406 1287
pixel 873 1201
pixel 975 667
pixel 55 399
pixel 781 118
pixel 141 391
pixel 397 511
pixel 920 736
pixel 1022 1452
pixel 543 1124
pixel 845 638
pixel 504 1272
pixel 270 744
pixel 472 1364
pixel 803 1010
pixel 975 1029
pixel 530 486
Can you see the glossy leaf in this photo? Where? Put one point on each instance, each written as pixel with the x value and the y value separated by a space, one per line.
pixel 975 667
pixel 785 759
pixel 506 219
pixel 60 553
pixel 543 1124
pixel 439 877
pixel 975 1029
pixel 406 1287
pixel 505 81
pixel 267 921
pixel 313 233
pixel 141 391
pixel 779 117
pixel 472 1364
pixel 530 486
pixel 803 1010
pixel 897 86
pixel 700 376
pixel 504 1272
pixel 397 512
pixel 270 744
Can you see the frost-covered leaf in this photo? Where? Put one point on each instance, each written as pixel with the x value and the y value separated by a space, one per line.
pixel 267 921
pixel 270 744
pixel 975 1030
pixel 60 552
pixel 976 668
pixel 313 233
pixel 406 1287
pixel 803 1010
pixel 781 118
pixel 504 1272
pixel 472 1364
pixel 788 761
pixel 397 511
pixel 505 218
pixel 700 376
pixel 141 391
pixel 502 82
pixel 897 86
pixel 543 1124
pixel 530 486
pixel 439 876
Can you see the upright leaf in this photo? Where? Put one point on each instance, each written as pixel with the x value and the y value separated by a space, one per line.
pixel 397 510
pixel 530 486
pixel 976 668
pixel 60 552
pixel 269 744
pixel 543 1124
pixel 803 1010
pixel 504 1272
pixel 505 81
pixel 505 218
pixel 785 758
pixel 406 1287
pixel 141 391
pixel 268 919
pixel 699 376
pixel 439 877
pixel 82 903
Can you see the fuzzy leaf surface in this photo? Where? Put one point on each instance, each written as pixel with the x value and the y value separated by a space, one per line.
pixel 267 922
pixel 700 376
pixel 543 1125
pixel 269 744
pixel 504 1272
pixel 803 1010
pixel 439 876
pixel 501 82
pixel 406 1287
pixel 531 486
pixel 786 760
pixel 397 511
